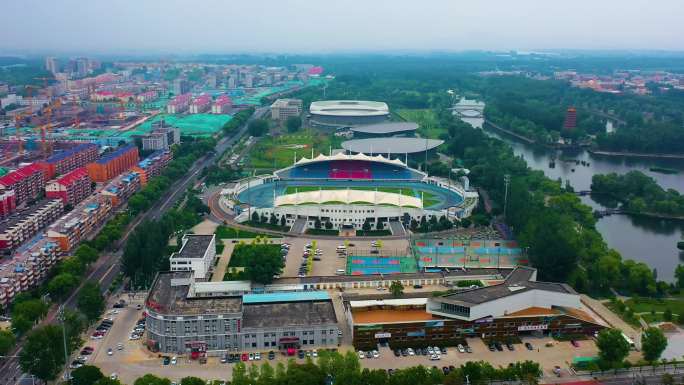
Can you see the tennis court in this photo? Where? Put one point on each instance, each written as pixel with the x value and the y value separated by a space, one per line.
pixel 358 265
pixel 464 253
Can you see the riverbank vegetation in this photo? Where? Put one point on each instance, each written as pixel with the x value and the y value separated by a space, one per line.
pixel 639 194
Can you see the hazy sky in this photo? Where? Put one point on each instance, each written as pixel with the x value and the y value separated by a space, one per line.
pixel 151 26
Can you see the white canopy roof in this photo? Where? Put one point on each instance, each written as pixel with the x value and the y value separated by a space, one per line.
pixel 389 302
pixel 342 156
pixel 347 197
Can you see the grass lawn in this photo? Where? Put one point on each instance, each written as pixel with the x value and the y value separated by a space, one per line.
pixel 279 151
pixel 372 233
pixel 225 232
pixel 429 125
pixel 322 232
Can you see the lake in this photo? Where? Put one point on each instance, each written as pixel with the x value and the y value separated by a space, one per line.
pixel 649 240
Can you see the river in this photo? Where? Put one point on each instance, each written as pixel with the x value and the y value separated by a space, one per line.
pixel 649 240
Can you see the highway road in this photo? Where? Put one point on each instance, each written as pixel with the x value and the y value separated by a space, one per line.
pixel 107 267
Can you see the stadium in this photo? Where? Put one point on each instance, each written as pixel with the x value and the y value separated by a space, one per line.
pixel 387 129
pixel 347 113
pixel 344 191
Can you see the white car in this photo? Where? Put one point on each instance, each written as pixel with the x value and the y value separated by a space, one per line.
pixel 113 376
pixel 362 355
pixel 314 353
pixel 119 346
pixel 110 352
pixel 376 354
pixel 435 357
pixel 437 351
pixel 411 352
pixel 174 360
pixel 133 337
pixel 430 350
pixel 460 348
pixel 257 356
pixel 250 357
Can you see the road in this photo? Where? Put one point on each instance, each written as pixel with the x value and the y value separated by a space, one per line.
pixel 107 267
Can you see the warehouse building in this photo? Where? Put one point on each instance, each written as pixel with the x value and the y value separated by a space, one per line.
pixel 184 316
pixel 517 306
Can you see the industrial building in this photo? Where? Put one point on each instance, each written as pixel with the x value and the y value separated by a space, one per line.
pixel 198 318
pixel 27 182
pixel 21 226
pixel 347 113
pixel 71 188
pixel 197 254
pixel 113 163
pixel 69 160
pixel 282 109
pixel 517 305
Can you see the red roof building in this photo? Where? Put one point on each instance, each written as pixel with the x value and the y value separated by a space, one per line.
pixel 8 202
pixel 27 182
pixel 70 188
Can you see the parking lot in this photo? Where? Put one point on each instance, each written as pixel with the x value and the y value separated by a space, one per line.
pixel 330 261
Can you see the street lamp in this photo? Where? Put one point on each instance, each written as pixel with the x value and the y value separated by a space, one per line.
pixel 62 318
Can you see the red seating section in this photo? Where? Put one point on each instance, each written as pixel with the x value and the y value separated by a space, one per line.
pixel 350 170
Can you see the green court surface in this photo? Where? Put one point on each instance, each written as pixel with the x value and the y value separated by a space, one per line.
pixel 382 264
pixel 190 125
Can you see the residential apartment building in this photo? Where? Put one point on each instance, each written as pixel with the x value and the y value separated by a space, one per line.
pixel 121 188
pixel 26 269
pixel 80 223
pixel 200 104
pixel 27 182
pixel 179 104
pixel 8 202
pixel 281 109
pixel 69 160
pixel 152 165
pixel 113 163
pixel 22 225
pixel 222 105
pixel 161 139
pixel 71 188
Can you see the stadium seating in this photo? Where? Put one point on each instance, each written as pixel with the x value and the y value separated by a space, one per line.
pixel 351 169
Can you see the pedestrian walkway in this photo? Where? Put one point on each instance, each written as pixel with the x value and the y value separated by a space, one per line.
pixel 611 318
pixel 299 227
pixel 397 228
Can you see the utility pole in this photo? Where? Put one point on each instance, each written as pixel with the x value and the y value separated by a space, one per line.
pixel 62 318
pixel 507 181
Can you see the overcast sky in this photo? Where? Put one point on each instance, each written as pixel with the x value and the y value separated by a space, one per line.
pixel 311 26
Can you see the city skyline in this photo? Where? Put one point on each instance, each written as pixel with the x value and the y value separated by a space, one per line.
pixel 304 26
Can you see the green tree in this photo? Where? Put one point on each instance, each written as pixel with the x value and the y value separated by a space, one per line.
pixel 90 301
pixel 192 381
pixel 293 123
pixel 262 263
pixel 86 375
pixel 86 254
pixel 283 221
pixel 257 127
pixel 43 354
pixel 107 381
pixel 255 217
pixel 679 275
pixel 7 341
pixel 150 379
pixel 613 348
pixel 71 265
pixel 317 223
pixel 653 343
pixel 25 314
pixel 667 315
pixel 366 225
pixel 328 225
pixel 61 285
pixel 396 288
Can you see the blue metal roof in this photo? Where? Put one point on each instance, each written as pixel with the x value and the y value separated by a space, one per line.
pixel 286 296
pixel 114 154
pixel 67 153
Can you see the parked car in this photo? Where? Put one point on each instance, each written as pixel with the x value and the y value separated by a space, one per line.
pixel 468 349
pixel 250 356
pixel 257 356
pixel 271 355
pixel 110 352
pixel 510 346
pixel 529 346
pixel 575 343
pixel 301 354
pixel 435 357
pixel 397 353
pixel 174 360
pixel 498 346
pixel 492 347
pixel 460 348
pixel 166 360
pixel 376 354
pixel 369 354
pixel 244 357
